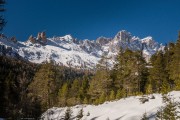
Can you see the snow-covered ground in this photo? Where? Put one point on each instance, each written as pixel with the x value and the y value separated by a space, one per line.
pixel 124 109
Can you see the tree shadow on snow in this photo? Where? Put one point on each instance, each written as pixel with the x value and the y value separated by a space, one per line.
pixel 152 116
pixel 120 117
pixel 94 118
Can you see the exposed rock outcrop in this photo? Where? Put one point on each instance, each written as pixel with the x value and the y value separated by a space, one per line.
pixel 13 39
pixel 32 39
pixel 41 38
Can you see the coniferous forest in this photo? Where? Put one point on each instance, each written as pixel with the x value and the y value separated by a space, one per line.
pixel 28 89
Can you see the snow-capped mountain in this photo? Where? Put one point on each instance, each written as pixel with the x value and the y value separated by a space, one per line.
pixel 69 51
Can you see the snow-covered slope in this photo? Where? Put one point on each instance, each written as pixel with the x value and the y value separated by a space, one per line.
pixel 76 53
pixel 124 109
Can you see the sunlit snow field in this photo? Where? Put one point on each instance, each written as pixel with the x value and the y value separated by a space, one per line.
pixel 124 109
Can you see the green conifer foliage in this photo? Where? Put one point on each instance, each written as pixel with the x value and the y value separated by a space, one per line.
pixel 149 88
pixel 175 64
pixel 170 111
pixel 101 83
pixel 63 95
pixel 112 95
pixel 130 72
pixel 157 74
pixel 159 114
pixel 102 98
pixel 44 85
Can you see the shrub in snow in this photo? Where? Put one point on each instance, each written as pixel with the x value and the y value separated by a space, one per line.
pixel 88 114
pixel 144 117
pixel 80 114
pixel 143 100
pixel 152 97
pixel 68 114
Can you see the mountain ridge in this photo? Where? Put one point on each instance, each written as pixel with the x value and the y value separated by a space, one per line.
pixel 76 53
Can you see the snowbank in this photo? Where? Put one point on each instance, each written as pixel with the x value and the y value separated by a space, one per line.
pixel 124 109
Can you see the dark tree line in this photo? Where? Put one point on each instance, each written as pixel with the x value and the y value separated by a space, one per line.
pixel 15 76
pixel 27 89
pixel 2 9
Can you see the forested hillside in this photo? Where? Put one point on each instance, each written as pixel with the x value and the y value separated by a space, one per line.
pixel 28 89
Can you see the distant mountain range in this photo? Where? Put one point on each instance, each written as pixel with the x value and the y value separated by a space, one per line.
pixel 72 52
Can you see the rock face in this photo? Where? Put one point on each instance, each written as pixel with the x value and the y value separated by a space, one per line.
pixel 78 53
pixel 32 39
pixel 123 36
pixel 13 39
pixel 41 38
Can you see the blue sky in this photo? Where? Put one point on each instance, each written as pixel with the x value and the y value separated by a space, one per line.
pixel 93 18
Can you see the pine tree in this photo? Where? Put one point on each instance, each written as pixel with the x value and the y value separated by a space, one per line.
pixel 44 85
pixel 165 87
pixel 118 94
pixel 175 64
pixel 75 93
pixel 63 95
pixel 84 89
pixel 112 95
pixel 130 72
pixel 85 101
pixel 159 114
pixel 149 88
pixel 168 57
pixel 102 98
pixel 101 83
pixel 158 75
pixel 169 112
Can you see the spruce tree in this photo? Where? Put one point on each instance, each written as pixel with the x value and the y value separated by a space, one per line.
pixel 157 73
pixel 130 72
pixel 159 114
pixel 148 88
pixel 112 95
pixel 101 83
pixel 63 95
pixel 175 64
pixel 168 58
pixel 102 98
pixel 44 85
pixel 85 101
pixel 170 111
pixel 120 94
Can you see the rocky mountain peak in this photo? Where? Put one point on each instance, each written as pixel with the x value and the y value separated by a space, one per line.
pixel 123 36
pixel 67 50
pixel 103 40
pixel 41 38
